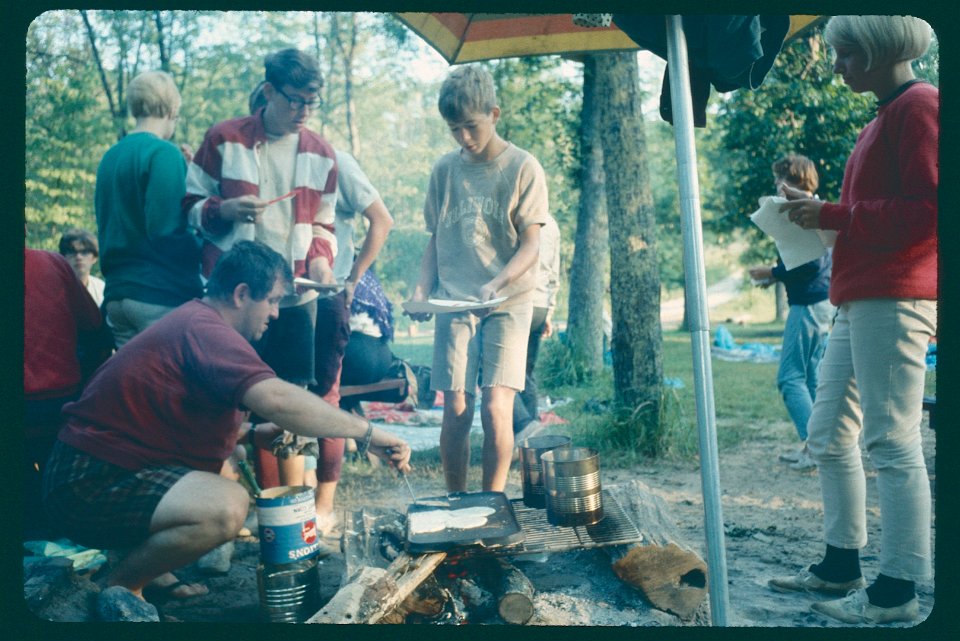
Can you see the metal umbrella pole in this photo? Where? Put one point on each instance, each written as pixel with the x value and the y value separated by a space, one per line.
pixel 695 290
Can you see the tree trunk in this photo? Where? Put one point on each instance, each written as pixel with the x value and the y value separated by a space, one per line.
pixel 780 294
pixel 92 38
pixel 346 51
pixel 331 64
pixel 161 42
pixel 634 274
pixel 585 307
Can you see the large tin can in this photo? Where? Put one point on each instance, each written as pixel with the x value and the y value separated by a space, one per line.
pixel 287 522
pixel 571 477
pixel 531 470
pixel 289 593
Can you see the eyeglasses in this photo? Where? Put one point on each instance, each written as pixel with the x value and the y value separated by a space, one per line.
pixel 299 103
pixel 78 252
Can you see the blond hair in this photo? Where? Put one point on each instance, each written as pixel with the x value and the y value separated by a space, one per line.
pixel 153 94
pixel 467 90
pixel 884 39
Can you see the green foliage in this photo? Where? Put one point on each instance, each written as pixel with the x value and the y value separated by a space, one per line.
pixel 398 265
pixel 415 349
pixel 801 107
pixel 65 127
pixel 556 368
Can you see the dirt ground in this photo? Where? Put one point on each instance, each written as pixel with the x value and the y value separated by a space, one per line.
pixel 772 522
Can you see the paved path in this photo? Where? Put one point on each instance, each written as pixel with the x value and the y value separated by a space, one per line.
pixel 671 311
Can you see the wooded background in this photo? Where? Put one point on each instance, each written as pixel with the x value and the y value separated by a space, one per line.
pixel 592 122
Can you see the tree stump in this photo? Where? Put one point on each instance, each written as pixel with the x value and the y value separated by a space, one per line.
pixel 671 575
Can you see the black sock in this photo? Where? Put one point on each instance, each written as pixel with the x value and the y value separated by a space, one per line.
pixel 838 565
pixel 887 592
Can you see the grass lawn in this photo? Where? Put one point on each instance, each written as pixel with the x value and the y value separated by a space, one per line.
pixel 747 403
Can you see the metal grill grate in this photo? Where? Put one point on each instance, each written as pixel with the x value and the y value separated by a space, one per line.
pixel 615 528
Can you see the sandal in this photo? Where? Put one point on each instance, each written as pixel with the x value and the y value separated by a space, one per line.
pixel 158 594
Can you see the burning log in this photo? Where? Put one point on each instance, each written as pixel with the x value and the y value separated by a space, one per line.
pixel 375 592
pixel 427 600
pixel 379 579
pixel 382 584
pixel 477 600
pixel 670 574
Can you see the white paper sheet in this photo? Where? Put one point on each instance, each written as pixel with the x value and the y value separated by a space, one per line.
pixel 443 306
pixel 796 245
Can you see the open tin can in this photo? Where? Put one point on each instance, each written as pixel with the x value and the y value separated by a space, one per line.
pixel 571 478
pixel 531 470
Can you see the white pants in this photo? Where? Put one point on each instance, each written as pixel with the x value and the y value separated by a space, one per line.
pixel 128 317
pixel 871 381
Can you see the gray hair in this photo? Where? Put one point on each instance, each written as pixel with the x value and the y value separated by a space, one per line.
pixel 884 39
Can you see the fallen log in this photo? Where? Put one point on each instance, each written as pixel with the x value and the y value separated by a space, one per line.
pixel 514 593
pixel 671 575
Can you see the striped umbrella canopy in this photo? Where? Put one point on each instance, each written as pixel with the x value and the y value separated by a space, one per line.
pixel 469 37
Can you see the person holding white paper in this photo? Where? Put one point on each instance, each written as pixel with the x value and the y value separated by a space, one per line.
pixel 885 285
pixel 810 316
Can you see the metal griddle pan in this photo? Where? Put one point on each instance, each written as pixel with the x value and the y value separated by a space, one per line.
pixel 500 530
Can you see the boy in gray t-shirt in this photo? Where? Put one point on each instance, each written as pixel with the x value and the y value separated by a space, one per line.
pixel 485 205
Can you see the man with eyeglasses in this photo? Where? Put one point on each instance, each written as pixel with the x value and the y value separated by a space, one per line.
pixel 240 181
pixel 268 177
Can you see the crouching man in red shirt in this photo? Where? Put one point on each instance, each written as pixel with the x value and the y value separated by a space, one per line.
pixel 136 463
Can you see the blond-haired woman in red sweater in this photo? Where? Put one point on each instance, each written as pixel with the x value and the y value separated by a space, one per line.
pixel 885 286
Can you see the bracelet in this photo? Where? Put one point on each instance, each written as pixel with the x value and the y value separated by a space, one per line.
pixel 365 445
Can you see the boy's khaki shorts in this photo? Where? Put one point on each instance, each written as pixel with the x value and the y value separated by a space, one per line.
pixel 496 345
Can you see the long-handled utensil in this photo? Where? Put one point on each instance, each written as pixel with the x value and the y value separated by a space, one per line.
pixel 249 476
pixel 407 483
pixel 403 476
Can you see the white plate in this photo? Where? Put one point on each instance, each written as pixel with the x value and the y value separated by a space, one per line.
pixel 444 306
pixel 312 284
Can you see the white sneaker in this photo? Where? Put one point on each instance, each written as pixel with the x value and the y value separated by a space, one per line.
pixel 804 463
pixel 856 608
pixel 807 581
pixel 791 457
